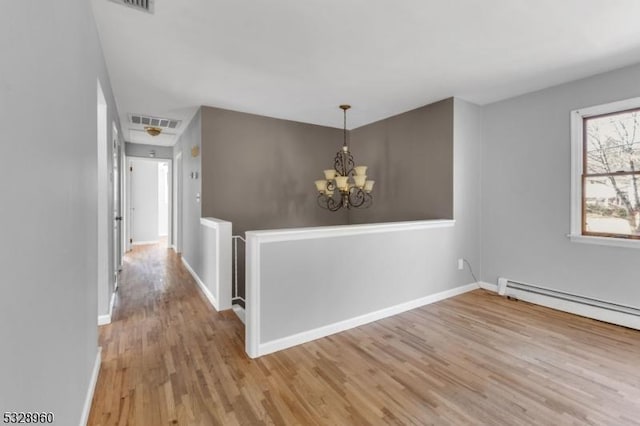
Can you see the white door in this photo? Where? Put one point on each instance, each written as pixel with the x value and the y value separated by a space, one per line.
pixel 143 181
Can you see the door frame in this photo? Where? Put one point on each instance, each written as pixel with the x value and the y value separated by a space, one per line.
pixel 177 203
pixel 117 203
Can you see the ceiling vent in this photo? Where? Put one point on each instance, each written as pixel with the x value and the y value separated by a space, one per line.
pixel 144 5
pixel 143 120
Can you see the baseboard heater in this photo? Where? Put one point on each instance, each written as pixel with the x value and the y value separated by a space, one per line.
pixel 615 313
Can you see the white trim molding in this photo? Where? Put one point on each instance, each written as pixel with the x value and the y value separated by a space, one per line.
pixel 605 241
pixel 212 300
pixel 488 286
pixel 106 319
pixel 239 311
pixel 144 243
pixel 252 297
pixel 292 234
pixel 86 409
pixel 307 336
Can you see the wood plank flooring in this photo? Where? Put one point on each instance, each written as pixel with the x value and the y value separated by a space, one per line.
pixel 476 359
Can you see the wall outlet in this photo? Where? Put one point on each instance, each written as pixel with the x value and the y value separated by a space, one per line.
pixel 460 264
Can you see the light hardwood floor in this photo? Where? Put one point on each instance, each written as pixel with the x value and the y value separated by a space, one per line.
pixel 169 358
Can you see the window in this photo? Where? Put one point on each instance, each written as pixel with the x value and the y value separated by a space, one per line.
pixel 606 173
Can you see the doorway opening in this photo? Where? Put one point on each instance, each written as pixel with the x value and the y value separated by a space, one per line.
pixel 150 201
pixel 105 276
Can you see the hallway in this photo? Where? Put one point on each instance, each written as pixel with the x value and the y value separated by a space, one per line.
pixel 169 358
pixel 159 363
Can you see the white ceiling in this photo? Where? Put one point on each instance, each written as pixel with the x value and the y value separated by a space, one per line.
pixel 299 60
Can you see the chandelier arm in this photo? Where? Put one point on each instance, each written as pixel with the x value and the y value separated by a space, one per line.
pixel 334 205
pixel 356 197
pixel 360 198
pixel 330 203
pixel 322 200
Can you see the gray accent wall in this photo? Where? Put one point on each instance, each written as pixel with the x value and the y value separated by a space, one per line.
pixel 191 188
pixel 48 182
pixel 258 172
pixel 410 157
pixel 525 214
pixel 143 150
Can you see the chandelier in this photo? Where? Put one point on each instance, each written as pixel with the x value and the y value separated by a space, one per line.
pixel 346 185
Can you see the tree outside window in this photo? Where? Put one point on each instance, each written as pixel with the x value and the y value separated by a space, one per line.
pixel 611 175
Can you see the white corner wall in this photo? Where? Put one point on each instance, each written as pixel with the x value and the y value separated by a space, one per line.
pixel 52 61
pixel 217 260
pixel 525 216
pixel 190 203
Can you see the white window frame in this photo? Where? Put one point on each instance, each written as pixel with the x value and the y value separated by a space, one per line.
pixel 577 145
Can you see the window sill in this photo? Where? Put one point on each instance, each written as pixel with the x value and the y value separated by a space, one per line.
pixel 605 241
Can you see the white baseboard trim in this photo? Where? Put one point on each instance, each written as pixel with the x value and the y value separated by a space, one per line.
pixel 488 286
pixel 106 319
pixel 239 310
pixel 203 287
pixel 142 243
pixel 327 330
pixel 86 409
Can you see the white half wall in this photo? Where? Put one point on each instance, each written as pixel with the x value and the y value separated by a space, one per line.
pixel 217 260
pixel 333 278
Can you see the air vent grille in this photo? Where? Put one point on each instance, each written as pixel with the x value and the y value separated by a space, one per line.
pixel 144 5
pixel 165 123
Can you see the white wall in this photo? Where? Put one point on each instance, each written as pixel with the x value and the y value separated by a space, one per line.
pixel 143 150
pixel 49 303
pixel 467 154
pixel 526 193
pixel 191 188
